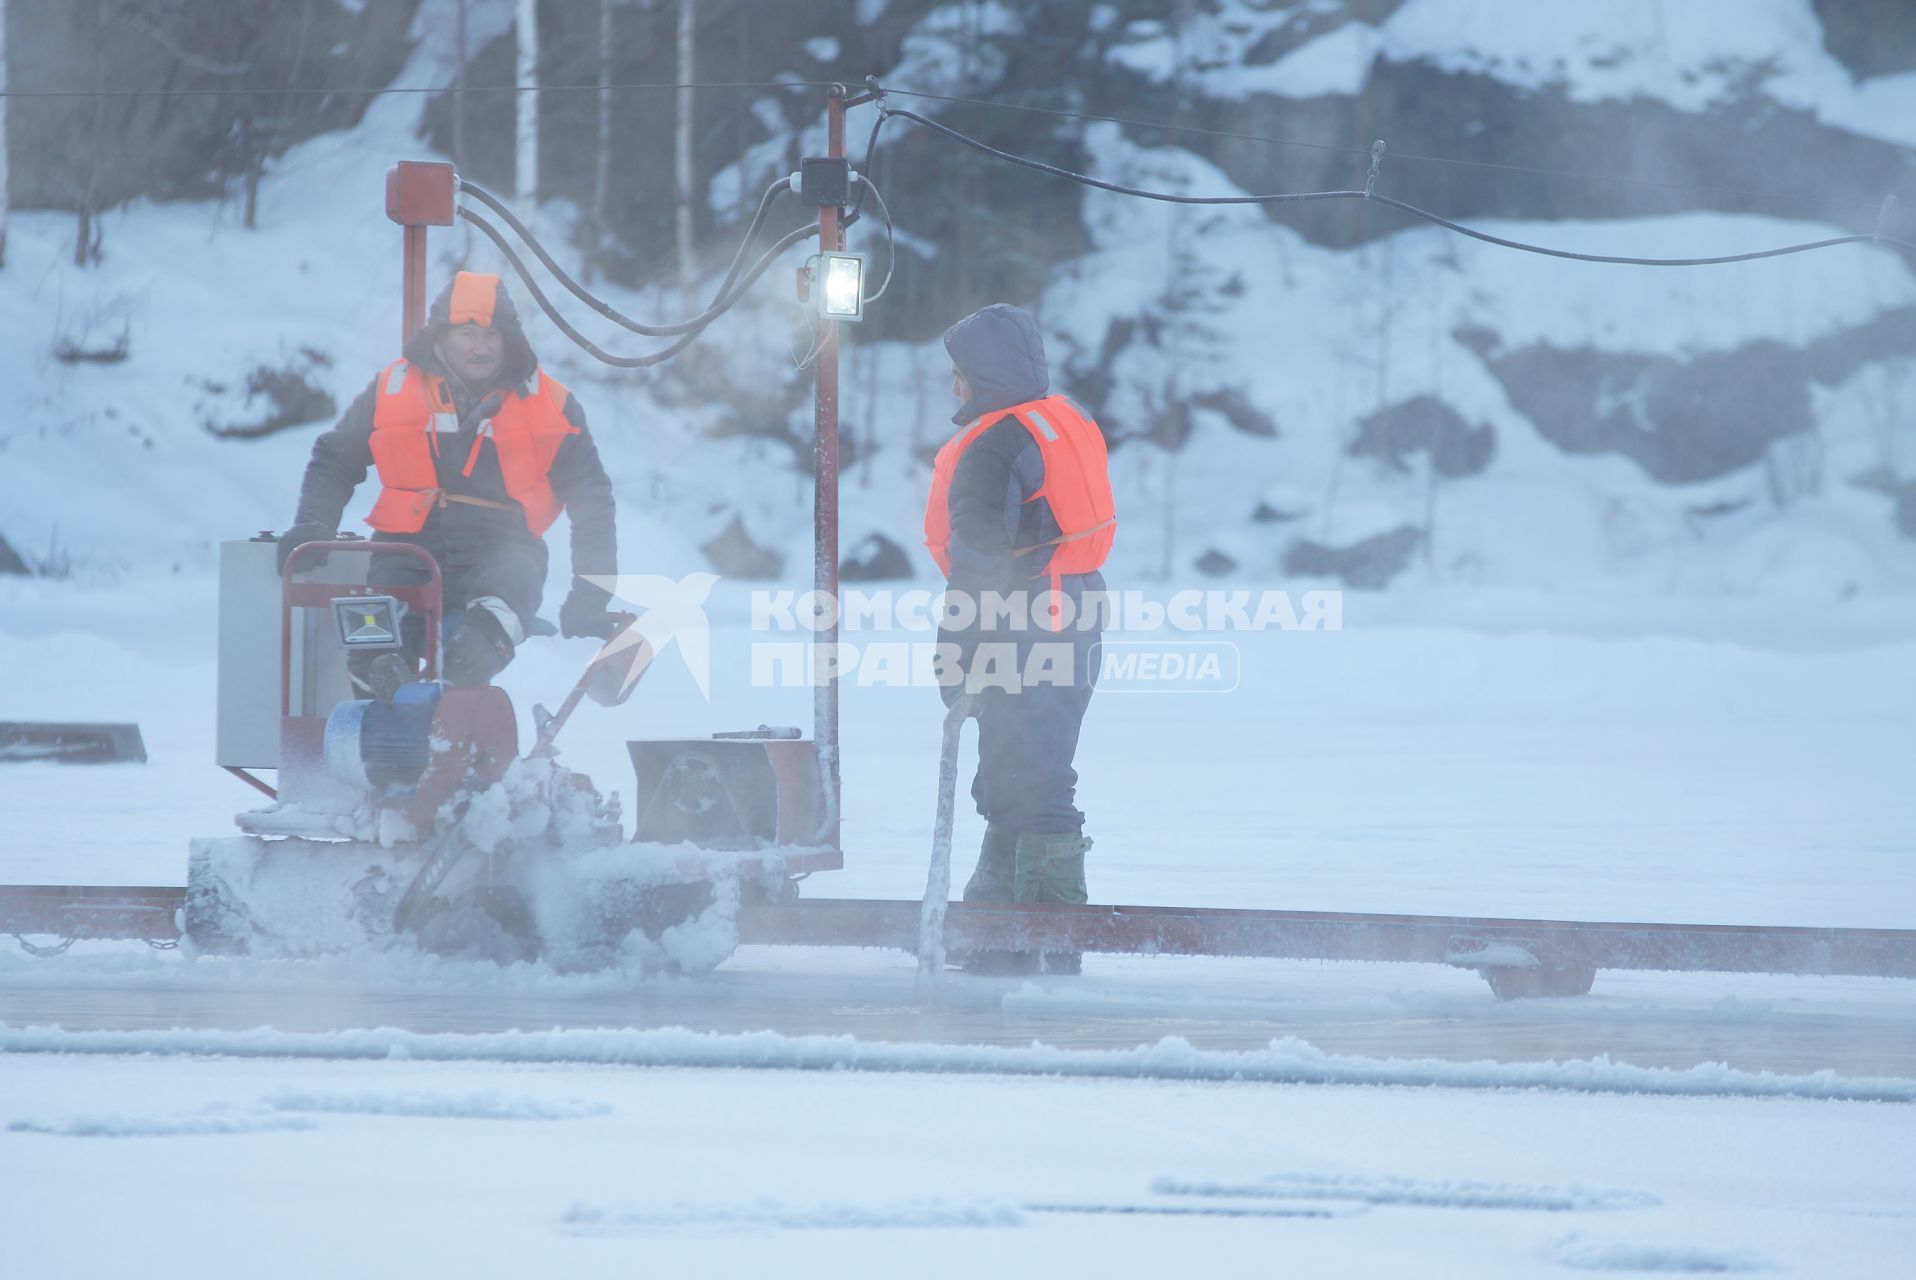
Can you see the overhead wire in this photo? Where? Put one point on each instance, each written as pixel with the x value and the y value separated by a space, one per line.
pixel 732 287
pixel 598 304
pixel 1369 194
pixel 1237 135
pixel 721 302
pixel 391 90
pixel 1032 108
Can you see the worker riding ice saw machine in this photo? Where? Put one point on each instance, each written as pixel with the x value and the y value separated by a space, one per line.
pixel 404 810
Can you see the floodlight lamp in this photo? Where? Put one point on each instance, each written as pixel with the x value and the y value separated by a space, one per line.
pixel 843 297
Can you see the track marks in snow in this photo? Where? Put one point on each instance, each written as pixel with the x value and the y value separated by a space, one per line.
pixel 1444 1194
pixel 1679 1259
pixel 211 1121
pixel 490 1105
pixel 1185 1210
pixel 772 1215
pixel 284 1112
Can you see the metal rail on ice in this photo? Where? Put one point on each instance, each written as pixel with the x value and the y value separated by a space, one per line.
pixel 1316 935
pixel 1472 942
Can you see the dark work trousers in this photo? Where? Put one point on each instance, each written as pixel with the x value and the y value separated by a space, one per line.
pixel 1027 738
pixel 512 569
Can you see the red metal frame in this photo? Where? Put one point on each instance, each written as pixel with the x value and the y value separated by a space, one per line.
pixel 92 911
pixel 257 784
pixel 302 738
pixel 320 595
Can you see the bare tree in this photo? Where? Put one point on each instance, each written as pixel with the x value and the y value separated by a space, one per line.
pixel 3 133
pixel 459 90
pixel 256 151
pixel 526 152
pixel 602 165
pixel 86 240
pixel 682 151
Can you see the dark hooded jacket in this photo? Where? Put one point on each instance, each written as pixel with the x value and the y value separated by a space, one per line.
pixel 343 456
pixel 1001 355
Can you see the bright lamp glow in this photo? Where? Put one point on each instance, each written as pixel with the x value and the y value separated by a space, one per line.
pixel 843 297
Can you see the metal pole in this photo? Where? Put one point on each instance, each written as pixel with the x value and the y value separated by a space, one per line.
pixel 413 286
pixel 931 913
pixel 825 494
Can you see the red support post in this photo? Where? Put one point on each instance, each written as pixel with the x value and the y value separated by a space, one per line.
pixel 831 238
pixel 414 285
pixel 419 194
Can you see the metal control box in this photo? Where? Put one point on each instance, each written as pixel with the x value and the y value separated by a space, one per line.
pixel 247 733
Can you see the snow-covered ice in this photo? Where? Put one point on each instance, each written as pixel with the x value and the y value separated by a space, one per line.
pixel 822 1173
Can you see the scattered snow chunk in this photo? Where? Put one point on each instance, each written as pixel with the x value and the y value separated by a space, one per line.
pixel 1287 1061
pixel 1683 1259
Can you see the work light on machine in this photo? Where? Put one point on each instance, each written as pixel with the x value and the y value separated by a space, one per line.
pixel 842 296
pixel 368 622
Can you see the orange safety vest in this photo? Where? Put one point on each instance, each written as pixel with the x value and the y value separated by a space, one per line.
pixel 1077 485
pixel 413 407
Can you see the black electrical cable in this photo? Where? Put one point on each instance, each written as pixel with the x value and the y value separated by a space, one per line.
pixel 604 308
pixel 891 237
pixel 1487 238
pixel 1411 209
pixel 720 305
pixel 871 160
pixel 1120 189
pixel 1197 130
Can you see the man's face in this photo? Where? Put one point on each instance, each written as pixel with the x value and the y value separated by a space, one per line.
pixel 960 389
pixel 473 351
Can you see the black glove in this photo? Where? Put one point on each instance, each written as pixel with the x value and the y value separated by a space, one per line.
pixel 584 612
pixel 311 531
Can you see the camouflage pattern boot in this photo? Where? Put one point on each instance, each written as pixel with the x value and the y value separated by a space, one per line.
pixel 1050 868
pixel 995 881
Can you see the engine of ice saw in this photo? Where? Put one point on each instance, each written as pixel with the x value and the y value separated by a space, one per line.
pixel 347 764
pixel 414 814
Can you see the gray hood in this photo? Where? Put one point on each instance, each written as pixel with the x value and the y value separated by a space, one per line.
pixel 1000 353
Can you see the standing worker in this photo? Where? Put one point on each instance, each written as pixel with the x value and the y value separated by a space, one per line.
pixel 478 450
pixel 1021 506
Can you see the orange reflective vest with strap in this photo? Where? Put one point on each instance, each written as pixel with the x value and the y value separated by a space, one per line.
pixel 410 410
pixel 1077 487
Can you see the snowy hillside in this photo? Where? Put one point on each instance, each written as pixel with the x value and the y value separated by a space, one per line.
pixel 1411 408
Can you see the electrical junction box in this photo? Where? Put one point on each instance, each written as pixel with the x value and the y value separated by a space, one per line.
pixel 419 193
pixel 825 180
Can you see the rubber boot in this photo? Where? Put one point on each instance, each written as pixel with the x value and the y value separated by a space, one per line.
pixel 481 645
pixel 994 881
pixel 1050 868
